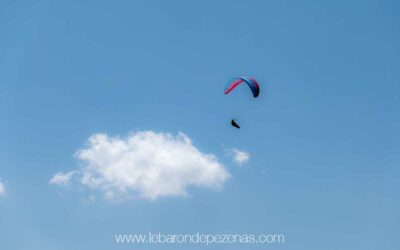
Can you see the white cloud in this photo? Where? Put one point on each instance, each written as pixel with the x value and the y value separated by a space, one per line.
pixel 2 189
pixel 61 179
pixel 238 156
pixel 147 164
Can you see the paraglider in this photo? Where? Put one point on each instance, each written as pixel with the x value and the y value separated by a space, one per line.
pixel 234 124
pixel 251 82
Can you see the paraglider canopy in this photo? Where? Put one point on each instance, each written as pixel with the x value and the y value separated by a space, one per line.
pixel 251 82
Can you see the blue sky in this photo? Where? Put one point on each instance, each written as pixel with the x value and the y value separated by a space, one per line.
pixel 323 136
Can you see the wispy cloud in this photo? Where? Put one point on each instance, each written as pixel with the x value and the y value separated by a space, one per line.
pixel 2 189
pixel 62 179
pixel 145 164
pixel 238 156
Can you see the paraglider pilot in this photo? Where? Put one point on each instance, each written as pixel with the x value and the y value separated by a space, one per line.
pixel 234 124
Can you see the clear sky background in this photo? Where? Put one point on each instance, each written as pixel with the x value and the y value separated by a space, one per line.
pixel 323 136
